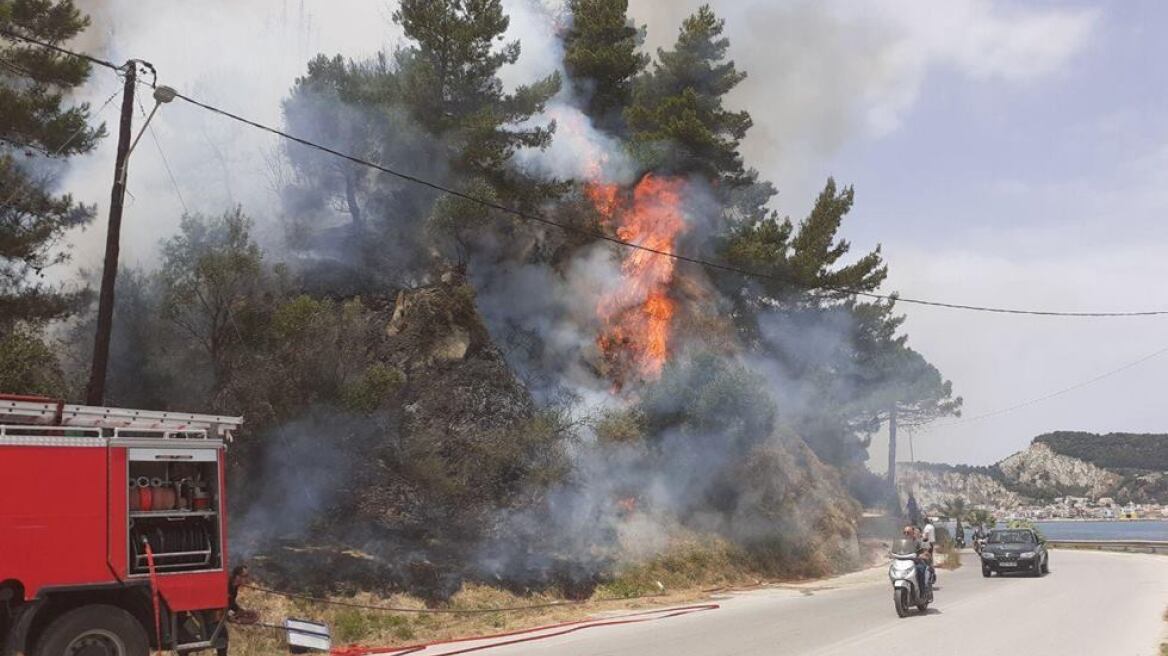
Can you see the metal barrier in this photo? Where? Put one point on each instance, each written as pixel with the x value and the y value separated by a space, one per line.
pixel 1130 546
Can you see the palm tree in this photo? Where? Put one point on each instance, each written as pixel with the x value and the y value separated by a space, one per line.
pixel 981 517
pixel 955 509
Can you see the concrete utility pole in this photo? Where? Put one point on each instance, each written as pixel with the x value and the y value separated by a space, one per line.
pixel 95 391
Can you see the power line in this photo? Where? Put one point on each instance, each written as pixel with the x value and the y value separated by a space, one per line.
pixel 597 234
pixel 606 237
pixel 24 146
pixel 84 126
pixel 1047 397
pixel 59 50
pixel 165 162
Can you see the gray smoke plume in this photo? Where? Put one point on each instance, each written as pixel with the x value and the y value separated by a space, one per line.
pixel 820 76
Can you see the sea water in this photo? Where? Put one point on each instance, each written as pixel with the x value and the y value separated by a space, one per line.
pixel 1116 529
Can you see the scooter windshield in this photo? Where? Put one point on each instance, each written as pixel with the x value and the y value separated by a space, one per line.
pixel 904 548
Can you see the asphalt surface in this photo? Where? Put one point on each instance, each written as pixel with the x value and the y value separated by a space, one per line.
pixel 1091 603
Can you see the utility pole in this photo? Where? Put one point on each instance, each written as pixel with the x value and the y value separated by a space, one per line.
pixel 892 449
pixel 95 391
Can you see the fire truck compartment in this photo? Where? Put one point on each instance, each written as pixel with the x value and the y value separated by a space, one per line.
pixel 173 504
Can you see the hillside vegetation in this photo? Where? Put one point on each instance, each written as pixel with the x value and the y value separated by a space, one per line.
pixel 1128 467
pixel 1113 450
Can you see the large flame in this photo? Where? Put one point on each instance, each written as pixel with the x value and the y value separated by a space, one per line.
pixel 636 317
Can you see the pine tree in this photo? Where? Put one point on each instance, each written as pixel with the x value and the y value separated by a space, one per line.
pixel 601 58
pixel 37 128
pixel 800 260
pixel 326 105
pixel 450 83
pixel 677 118
pixel 857 360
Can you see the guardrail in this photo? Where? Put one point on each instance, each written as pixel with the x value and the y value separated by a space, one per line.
pixel 1130 546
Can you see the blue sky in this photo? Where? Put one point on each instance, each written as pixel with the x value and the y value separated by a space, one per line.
pixel 1051 193
pixel 1003 153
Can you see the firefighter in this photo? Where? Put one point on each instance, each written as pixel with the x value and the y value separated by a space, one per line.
pixel 240 576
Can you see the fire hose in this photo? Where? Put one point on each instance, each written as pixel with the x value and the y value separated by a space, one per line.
pixel 154 593
pixel 558 629
pixel 446 611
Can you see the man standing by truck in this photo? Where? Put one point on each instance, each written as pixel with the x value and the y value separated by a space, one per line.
pixel 240 576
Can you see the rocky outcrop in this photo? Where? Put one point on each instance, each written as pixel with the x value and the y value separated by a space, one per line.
pixel 457 380
pixel 1039 468
pixel 460 440
pixel 1036 473
pixel 933 486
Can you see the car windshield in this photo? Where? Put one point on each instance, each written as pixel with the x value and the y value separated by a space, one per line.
pixel 1011 537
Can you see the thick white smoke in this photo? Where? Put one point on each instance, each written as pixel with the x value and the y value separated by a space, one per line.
pixel 820 75
pixel 825 74
pixel 242 56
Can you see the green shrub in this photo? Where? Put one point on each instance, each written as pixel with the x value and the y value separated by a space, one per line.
pixel 351 625
pixel 376 384
pixel 28 365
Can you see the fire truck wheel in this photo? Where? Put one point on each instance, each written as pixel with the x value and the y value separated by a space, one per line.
pixel 96 630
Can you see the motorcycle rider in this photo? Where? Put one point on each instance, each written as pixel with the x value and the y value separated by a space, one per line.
pixel 921 562
pixel 928 538
pixel 979 536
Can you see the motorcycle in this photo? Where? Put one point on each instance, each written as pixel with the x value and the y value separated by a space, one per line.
pixel 978 545
pixel 906 592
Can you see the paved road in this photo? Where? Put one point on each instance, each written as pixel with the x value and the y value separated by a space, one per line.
pixel 1104 604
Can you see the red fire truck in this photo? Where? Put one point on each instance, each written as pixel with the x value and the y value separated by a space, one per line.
pixel 113 533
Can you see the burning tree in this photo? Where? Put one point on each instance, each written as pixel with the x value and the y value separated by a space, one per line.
pixel 686 144
pixel 636 318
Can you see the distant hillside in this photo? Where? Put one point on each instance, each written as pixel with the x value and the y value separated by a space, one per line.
pixel 1127 467
pixel 1148 451
pixel 932 484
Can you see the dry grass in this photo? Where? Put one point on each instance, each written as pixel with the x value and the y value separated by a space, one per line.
pixel 688 571
pixel 950 556
pixel 384 628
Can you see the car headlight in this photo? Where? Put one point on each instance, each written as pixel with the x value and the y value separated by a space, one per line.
pixel 988 555
pixel 1026 554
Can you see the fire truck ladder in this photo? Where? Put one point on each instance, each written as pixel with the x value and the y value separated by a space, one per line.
pixel 51 412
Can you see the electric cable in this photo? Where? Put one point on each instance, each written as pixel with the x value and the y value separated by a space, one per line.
pixel 85 126
pixel 24 146
pixel 59 50
pixel 597 234
pixel 165 162
pixel 1047 397
pixel 720 266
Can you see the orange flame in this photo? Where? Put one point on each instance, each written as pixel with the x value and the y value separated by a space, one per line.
pixel 636 318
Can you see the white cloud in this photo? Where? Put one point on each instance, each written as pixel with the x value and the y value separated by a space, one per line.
pixel 998 361
pixel 824 73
